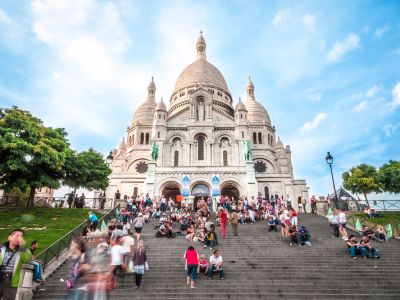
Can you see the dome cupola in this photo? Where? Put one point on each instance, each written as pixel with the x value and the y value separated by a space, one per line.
pixel 256 111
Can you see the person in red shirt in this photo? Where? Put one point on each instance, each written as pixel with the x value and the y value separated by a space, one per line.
pixel 223 219
pixel 192 262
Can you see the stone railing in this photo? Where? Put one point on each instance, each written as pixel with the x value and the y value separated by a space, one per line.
pixel 26 283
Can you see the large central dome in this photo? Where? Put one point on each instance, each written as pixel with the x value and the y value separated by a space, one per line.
pixel 201 71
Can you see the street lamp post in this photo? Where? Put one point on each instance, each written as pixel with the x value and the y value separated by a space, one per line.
pixel 329 161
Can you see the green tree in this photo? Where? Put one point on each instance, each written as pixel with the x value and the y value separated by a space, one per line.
pixel 362 179
pixel 86 169
pixel 31 155
pixel 389 176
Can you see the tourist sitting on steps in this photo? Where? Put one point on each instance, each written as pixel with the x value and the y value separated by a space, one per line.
pixel 334 222
pixel 211 239
pixel 272 223
pixel 293 236
pixel 367 232
pixel 354 247
pixel 37 264
pixel 367 248
pixel 304 236
pixel 380 233
pixel 216 265
pixel 203 265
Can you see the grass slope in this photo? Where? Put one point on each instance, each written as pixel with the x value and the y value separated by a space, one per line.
pixel 43 224
pixel 385 218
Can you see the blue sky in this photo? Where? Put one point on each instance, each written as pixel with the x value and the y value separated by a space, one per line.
pixel 327 71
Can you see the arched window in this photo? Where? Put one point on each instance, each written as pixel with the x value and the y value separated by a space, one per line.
pixel 259 138
pixel 158 135
pixel 135 191
pixel 242 134
pixel 129 140
pixel 225 158
pixel 176 158
pixel 200 148
pixel 159 116
pixel 266 192
pixel 133 140
pixel 269 139
pixel 142 138
pixel 254 138
pixel 147 138
pixel 241 116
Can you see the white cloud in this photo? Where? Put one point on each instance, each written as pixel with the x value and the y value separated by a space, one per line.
pixel 360 106
pixel 310 125
pixel 381 31
pixel 351 42
pixel 315 97
pixel 279 17
pixel 87 40
pixel 396 95
pixel 389 129
pixel 3 17
pixel 372 91
pixel 309 21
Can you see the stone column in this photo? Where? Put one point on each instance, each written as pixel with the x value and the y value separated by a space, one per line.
pixel 24 291
pixel 251 180
pixel 150 179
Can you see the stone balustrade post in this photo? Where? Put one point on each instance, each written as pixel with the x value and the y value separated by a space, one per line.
pixel 322 208
pixel 24 291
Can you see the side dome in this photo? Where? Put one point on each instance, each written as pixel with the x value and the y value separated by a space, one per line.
pixel 240 106
pixel 256 112
pixel 201 71
pixel 145 112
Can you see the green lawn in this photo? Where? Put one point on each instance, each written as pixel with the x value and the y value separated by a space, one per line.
pixel 385 218
pixel 43 224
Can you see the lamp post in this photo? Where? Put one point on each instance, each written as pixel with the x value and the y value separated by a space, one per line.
pixel 329 161
pixel 109 159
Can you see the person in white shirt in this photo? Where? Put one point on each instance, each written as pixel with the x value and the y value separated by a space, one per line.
pixel 216 265
pixel 128 244
pixel 126 228
pixel 117 256
pixel 342 224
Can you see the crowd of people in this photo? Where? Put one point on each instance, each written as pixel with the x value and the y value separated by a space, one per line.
pixel 100 256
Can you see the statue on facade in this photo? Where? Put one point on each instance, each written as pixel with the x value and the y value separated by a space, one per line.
pixel 247 150
pixel 154 151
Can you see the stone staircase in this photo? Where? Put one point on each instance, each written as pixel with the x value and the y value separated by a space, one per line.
pixel 260 265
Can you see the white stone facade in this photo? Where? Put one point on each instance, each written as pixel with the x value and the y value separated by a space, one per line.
pixel 201 134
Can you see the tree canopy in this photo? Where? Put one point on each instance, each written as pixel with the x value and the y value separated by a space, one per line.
pixel 389 176
pixel 31 155
pixel 86 169
pixel 362 179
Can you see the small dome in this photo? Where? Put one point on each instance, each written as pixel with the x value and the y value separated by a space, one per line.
pixel 240 106
pixel 161 106
pixel 256 112
pixel 145 113
pixel 279 144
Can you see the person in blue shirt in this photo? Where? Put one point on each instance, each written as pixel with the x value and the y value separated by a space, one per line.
pixel 93 221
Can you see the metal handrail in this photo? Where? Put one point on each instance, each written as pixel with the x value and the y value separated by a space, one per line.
pixel 92 203
pixel 57 248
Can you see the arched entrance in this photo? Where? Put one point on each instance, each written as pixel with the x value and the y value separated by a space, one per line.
pixel 230 189
pixel 171 190
pixel 198 191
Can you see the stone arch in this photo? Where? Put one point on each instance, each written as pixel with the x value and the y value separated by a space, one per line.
pixel 132 164
pixel 170 189
pixel 222 135
pixel 230 188
pixel 173 135
pixel 268 161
